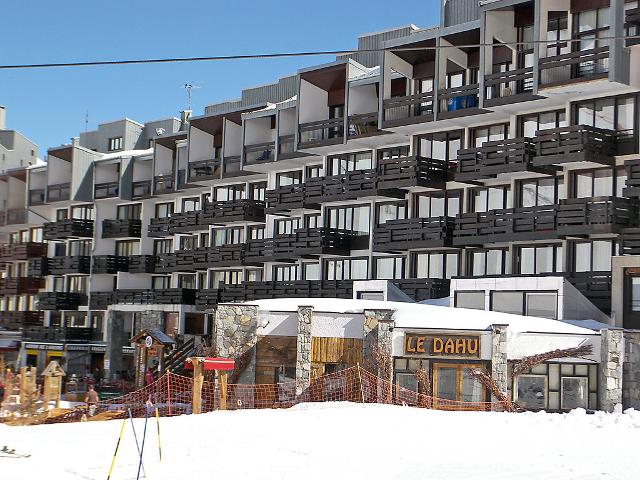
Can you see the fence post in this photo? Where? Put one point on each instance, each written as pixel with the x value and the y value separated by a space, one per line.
pixel 168 392
pixel 360 380
pixel 223 390
pixel 198 378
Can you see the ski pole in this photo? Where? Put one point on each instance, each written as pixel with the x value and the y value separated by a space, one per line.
pixel 159 443
pixel 144 435
pixel 113 460
pixel 135 436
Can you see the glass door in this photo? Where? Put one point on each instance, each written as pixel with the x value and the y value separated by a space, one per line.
pixel 453 382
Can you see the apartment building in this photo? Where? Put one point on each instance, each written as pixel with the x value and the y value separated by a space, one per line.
pixel 492 160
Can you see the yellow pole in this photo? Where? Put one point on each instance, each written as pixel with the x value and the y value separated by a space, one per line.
pixel 113 460
pixel 158 423
pixel 223 390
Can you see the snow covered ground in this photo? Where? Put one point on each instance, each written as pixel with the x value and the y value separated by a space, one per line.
pixel 338 441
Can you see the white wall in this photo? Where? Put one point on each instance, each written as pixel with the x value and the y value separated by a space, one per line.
pixel 258 130
pixel 499 25
pixel 394 63
pixel 524 344
pixel 200 145
pixel 106 172
pixel 17 193
pixel 348 325
pixel 164 160
pixel 363 99
pixel 313 103
pixel 287 122
pixel 59 171
pixel 142 170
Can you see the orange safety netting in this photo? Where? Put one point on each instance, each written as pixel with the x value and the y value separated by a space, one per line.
pixel 173 394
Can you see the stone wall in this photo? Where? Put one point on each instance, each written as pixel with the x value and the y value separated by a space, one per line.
pixel 631 370
pixel 303 349
pixel 151 319
pixel 377 337
pixel 499 367
pixel 235 335
pixel 612 358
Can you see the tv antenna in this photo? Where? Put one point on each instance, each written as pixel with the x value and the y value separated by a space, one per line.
pixel 189 87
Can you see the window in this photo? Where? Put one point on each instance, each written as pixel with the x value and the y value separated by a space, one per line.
pixel 256 232
pixel 575 393
pixel 126 248
pixel 311 271
pixel 254 274
pixel 162 246
pixel 131 211
pixel 539 259
pixel 80 248
pixel 390 211
pixel 593 256
pixel 314 171
pixel 164 210
pixel 491 133
pixel 285 273
pixel 115 143
pixel 312 220
pixel 225 277
pixel 390 153
pixel 228 236
pixel 541 191
pixel 530 124
pixel 188 242
pixel 62 214
pixel 435 264
pixel 439 204
pixel 284 179
pixel 537 304
pixel 440 146
pixel 190 204
pixel 349 162
pixel 593 183
pixel 82 212
pixel 483 262
pixel 77 283
pixel 257 190
pixel 473 300
pixel 229 193
pixel 204 240
pixel 590 27
pixel 531 391
pixel 160 282
pixel 346 269
pixel 614 113
pixel 352 218
pixel 286 226
pixel 388 268
pixel 484 199
pixel 187 281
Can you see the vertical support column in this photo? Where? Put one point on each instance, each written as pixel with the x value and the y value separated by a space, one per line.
pixel 235 335
pixel 198 379
pixel 631 370
pixel 115 340
pixel 499 371
pixel 223 390
pixel 611 360
pixel 377 343
pixel 303 349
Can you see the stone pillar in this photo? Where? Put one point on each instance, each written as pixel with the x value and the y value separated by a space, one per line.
pixel 114 323
pixel 236 328
pixel 499 371
pixel 377 336
pixel 151 319
pixel 611 360
pixel 631 370
pixel 303 349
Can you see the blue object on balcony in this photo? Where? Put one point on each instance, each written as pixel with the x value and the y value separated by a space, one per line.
pixel 462 102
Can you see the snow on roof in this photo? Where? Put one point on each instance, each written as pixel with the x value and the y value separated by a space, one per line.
pixel 127 153
pixel 417 315
pixel 369 73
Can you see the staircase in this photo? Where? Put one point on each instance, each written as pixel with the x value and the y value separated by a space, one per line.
pixel 174 360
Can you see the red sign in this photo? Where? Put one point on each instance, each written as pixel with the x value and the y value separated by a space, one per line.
pixel 210 363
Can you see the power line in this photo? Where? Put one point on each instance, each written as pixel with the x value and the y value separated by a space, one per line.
pixel 259 56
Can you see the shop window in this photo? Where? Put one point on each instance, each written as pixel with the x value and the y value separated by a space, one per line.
pixel 575 393
pixel 531 391
pixel 472 300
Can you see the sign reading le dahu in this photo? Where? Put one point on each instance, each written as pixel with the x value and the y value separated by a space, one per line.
pixel 443 345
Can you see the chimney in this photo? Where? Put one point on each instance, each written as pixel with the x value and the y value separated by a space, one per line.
pixel 75 141
pixel 185 115
pixel 3 117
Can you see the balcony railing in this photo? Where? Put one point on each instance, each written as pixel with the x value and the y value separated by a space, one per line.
pixel 60 334
pixel 142 263
pixel 20 285
pixel 121 228
pixel 164 183
pixel 421 289
pixel 560 69
pixel 493 158
pixel 506 87
pixel 417 108
pixel 410 233
pixel 16 216
pixel 632 188
pixel 141 189
pixel 233 211
pixel 304 242
pixel 632 25
pixel 159 227
pixel 22 251
pixel 458 98
pixel 259 153
pixel 287 147
pixel 576 216
pixel 414 171
pixel 67 229
pixel 166 296
pixel 201 258
pixel 249 291
pixel 352 185
pixel 106 190
pixel 322 132
pixel 363 124
pixel 68 264
pixel 575 143
pixel 18 319
pixel 630 240
pixel 231 166
pixel 283 199
pixel 59 192
pixel 596 286
pixel 36 196
pixel 109 264
pixel 60 300
pixel 204 169
pixel 101 300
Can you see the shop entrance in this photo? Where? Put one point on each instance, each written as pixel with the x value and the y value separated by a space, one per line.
pixel 452 381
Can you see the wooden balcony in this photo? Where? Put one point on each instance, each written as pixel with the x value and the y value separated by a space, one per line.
pixel 204 169
pixel 295 289
pixel 109 264
pixel 207 298
pixel 632 188
pixel 60 300
pixel 458 101
pixel 37 196
pixel 164 183
pixel 142 263
pixel 159 227
pixel 180 261
pixel 424 288
pixel 141 189
pixel 411 233
pixel 596 286
pixel 233 211
pixel 499 157
pixel 570 67
pixel 106 190
pixel 231 255
pixel 167 296
pixel 349 186
pixel 68 264
pixel 22 251
pixel 284 199
pixel 70 228
pixel 59 192
pixel 123 228
pixel 363 125
pixel 321 132
pixel 406 110
pixel 259 153
pixel 185 222
pixel 60 334
pixel 571 217
pixel 414 171
pixel 509 87
pixel 18 319
pixel 20 285
pixel 101 300
pixel 630 241
pixel 575 143
pixel 305 242
pixel 287 147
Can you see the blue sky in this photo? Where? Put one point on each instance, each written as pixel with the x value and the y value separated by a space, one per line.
pixel 49 105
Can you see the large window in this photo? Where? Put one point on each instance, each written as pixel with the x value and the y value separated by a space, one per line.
pixel 591 27
pixel 530 124
pixel 614 113
pixel 161 282
pixel 540 191
pixel 285 273
pixel 535 304
pixel 224 277
pixel 387 268
pixel 349 162
pixel 435 264
pixel 284 179
pixel 190 204
pixel 257 190
pixel 393 152
pixel 311 271
pixel 491 133
pixel 440 146
pixel 188 242
pixel 536 259
pixel 115 143
pixel 164 210
pixel 390 211
pixel 439 204
pixel 483 262
pixel 286 226
pixel 593 256
pixel 346 269
pixel 126 248
pixel 473 300
pixel 80 248
pixel 484 199
pixel 227 236
pixel 162 246
pixel 129 212
pixel 604 182
pixel 353 218
pixel 229 193
pixel 82 212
